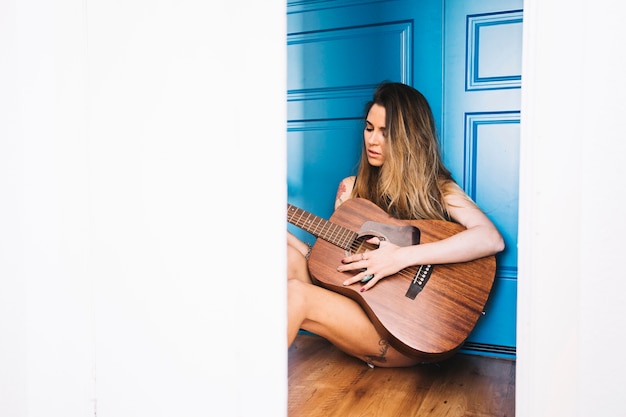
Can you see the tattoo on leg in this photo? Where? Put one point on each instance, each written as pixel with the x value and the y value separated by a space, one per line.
pixel 384 347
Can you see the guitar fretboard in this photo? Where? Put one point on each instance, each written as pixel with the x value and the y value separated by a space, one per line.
pixel 319 227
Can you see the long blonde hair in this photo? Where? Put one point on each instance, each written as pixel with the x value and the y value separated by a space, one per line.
pixel 412 182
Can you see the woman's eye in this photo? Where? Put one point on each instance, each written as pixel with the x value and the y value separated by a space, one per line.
pixel 369 129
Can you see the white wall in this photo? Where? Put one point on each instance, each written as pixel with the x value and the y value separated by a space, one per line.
pixel 572 301
pixel 142 208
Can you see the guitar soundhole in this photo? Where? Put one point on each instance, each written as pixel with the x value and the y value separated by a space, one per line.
pixel 359 246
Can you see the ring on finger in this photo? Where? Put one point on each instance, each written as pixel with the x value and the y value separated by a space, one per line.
pixel 367 278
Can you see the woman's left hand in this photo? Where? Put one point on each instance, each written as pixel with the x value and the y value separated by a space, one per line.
pixel 372 265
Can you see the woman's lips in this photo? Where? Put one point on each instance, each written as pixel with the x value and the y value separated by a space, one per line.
pixel 373 154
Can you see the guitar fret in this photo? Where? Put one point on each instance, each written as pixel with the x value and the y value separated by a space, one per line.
pixel 346 238
pixel 319 227
pixel 333 233
pixel 315 227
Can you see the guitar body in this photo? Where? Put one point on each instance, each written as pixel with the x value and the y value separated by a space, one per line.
pixel 435 323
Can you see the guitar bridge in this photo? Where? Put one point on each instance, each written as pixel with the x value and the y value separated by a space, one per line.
pixel 419 281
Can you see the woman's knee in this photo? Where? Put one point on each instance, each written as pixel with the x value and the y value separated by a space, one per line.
pixel 297 267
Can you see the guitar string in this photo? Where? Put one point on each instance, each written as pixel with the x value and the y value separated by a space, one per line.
pixel 332 235
pixel 405 273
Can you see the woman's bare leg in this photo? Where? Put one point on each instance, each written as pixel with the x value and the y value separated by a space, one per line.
pixel 333 316
pixel 297 267
pixel 341 321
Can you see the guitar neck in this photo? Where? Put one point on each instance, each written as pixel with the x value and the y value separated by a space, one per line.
pixel 319 227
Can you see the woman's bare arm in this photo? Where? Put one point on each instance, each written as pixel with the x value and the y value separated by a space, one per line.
pixel 479 239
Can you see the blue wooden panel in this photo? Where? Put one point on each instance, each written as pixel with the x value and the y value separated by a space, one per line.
pixel 348 49
pixel 494 42
pixel 328 103
pixel 494 330
pixel 320 154
pixel 420 42
pixel 492 175
pixel 326 76
pixel 299 6
pixel 483 52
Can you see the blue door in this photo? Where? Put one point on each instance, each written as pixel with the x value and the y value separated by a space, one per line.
pixel 480 139
pixel 339 50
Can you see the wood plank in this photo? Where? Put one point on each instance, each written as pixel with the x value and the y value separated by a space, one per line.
pixel 325 382
pixel 473 386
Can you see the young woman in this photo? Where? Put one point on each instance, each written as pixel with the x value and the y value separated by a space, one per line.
pixel 401 171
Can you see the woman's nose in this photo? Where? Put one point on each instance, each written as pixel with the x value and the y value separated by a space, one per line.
pixel 375 137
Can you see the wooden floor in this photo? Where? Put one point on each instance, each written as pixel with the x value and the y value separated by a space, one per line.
pixel 325 382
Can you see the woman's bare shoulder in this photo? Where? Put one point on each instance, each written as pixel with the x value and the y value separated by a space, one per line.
pixel 463 209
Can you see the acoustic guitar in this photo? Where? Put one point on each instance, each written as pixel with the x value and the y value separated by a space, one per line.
pixel 426 311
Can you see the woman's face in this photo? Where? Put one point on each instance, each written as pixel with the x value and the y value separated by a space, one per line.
pixel 374 135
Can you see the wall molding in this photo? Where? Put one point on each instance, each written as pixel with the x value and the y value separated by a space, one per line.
pixel 481 29
pixel 345 94
pixel 301 6
pixel 472 122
